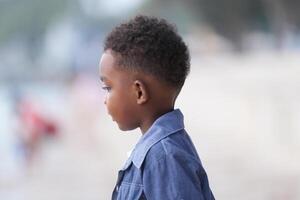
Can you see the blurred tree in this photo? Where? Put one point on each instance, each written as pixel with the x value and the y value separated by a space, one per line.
pixel 28 19
pixel 292 9
pixel 283 16
pixel 231 18
pixel 234 18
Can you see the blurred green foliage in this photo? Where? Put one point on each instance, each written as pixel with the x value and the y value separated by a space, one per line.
pixel 28 19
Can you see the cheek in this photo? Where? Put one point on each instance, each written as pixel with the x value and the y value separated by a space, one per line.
pixel 108 101
pixel 114 103
pixel 120 106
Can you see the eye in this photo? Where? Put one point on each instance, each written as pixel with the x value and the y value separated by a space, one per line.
pixel 106 88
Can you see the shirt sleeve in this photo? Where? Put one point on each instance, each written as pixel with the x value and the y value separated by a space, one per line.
pixel 175 177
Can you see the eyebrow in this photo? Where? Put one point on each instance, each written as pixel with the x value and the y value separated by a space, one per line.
pixel 103 78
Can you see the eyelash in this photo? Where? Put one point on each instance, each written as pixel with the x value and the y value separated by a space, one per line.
pixel 106 88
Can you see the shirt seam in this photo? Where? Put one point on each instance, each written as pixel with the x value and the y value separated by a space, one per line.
pixel 133 184
pixel 165 155
pixel 159 141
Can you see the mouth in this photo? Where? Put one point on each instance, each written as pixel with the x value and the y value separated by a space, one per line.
pixel 112 118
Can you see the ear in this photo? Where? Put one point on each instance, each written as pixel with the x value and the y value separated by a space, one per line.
pixel 141 91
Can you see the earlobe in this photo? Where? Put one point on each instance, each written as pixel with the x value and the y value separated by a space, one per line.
pixel 141 91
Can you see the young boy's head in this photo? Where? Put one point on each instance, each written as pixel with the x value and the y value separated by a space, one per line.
pixel 143 67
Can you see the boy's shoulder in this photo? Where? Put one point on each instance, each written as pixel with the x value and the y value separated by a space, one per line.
pixel 166 138
pixel 176 146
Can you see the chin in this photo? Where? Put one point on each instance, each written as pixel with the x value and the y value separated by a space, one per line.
pixel 126 128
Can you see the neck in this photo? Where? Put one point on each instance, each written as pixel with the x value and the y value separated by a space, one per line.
pixel 147 123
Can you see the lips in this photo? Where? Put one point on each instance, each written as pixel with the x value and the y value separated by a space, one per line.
pixel 111 117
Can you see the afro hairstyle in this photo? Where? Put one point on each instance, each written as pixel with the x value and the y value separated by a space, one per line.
pixel 152 46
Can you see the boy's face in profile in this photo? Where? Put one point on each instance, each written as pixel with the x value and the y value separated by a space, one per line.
pixel 120 98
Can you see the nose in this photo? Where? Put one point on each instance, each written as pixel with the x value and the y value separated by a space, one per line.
pixel 105 100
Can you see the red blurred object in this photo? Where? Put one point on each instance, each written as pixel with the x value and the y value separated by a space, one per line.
pixel 35 122
pixel 34 128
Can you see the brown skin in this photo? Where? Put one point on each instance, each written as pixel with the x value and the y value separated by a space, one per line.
pixel 134 99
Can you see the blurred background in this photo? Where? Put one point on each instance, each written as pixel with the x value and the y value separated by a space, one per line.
pixel 241 101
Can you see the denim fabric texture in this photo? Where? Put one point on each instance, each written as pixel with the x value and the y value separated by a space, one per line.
pixel 164 165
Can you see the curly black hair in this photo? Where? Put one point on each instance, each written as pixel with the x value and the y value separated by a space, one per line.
pixel 150 45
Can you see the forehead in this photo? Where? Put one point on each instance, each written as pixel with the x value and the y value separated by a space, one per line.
pixel 109 70
pixel 107 64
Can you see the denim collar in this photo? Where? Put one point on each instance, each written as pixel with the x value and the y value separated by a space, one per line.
pixel 164 126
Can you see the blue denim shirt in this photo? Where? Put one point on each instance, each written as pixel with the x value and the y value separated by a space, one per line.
pixel 164 165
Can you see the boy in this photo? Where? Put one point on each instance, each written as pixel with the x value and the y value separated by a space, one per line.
pixel 143 68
